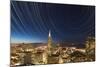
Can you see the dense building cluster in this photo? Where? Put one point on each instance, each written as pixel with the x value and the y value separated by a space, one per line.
pixel 28 54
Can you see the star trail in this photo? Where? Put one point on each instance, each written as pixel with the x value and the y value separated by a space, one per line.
pixel 31 22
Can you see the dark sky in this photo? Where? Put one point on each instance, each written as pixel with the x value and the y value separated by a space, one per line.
pixel 31 22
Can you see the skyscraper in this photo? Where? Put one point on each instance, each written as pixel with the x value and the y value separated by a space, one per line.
pixel 49 46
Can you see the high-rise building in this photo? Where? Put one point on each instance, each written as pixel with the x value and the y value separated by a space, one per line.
pixel 49 46
pixel 27 58
pixel 90 43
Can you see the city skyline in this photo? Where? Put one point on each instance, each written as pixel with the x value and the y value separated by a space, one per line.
pixel 31 22
pixel 51 33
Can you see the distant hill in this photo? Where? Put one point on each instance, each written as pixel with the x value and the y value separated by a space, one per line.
pixel 62 44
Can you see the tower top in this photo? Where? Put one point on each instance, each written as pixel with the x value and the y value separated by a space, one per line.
pixel 49 33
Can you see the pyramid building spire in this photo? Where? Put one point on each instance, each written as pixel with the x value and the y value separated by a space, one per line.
pixel 49 42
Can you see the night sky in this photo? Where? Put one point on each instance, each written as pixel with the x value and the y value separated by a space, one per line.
pixel 31 22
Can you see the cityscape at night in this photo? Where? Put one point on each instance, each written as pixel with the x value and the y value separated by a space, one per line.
pixel 51 33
